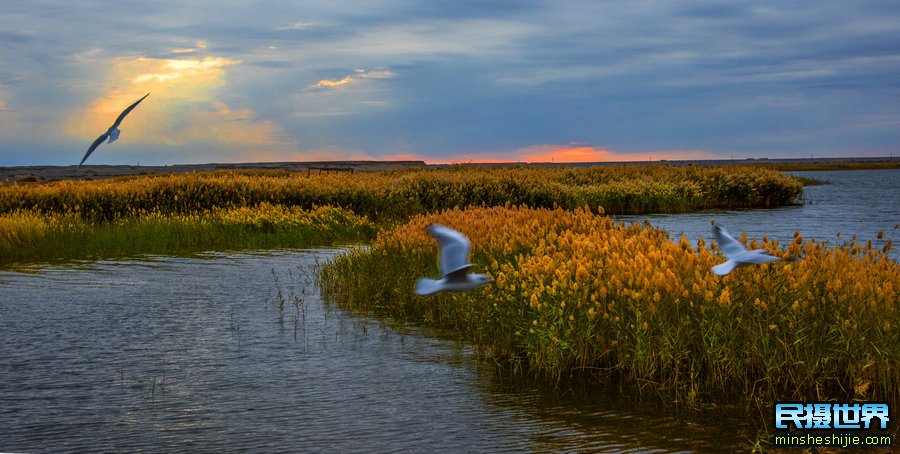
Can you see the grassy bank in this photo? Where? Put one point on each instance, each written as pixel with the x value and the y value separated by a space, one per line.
pixel 182 212
pixel 34 237
pixel 396 195
pixel 577 294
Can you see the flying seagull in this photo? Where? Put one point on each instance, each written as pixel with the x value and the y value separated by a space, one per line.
pixel 453 263
pixel 736 254
pixel 112 133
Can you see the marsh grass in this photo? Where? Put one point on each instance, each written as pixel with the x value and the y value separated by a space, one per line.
pixel 396 195
pixel 225 210
pixel 806 181
pixel 577 294
pixel 31 237
pixel 295 290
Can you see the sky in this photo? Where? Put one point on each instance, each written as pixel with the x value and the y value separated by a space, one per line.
pixel 448 81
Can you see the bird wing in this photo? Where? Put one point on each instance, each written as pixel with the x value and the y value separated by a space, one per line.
pixel 758 256
pixel 93 147
pixel 127 110
pixel 427 286
pixel 459 276
pixel 729 246
pixel 724 268
pixel 454 248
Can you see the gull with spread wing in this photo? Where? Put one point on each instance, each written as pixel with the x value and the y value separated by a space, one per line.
pixel 112 133
pixel 736 253
pixel 453 262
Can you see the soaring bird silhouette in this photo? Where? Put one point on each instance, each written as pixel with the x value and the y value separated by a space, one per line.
pixel 112 133
pixel 453 263
pixel 736 253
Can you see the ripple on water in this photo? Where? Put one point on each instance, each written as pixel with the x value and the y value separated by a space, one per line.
pixel 191 354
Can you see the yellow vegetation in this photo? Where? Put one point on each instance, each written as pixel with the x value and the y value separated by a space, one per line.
pixel 398 194
pixel 576 291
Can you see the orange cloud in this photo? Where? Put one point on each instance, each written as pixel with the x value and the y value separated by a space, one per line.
pixel 182 107
pixel 359 73
pixel 333 83
pixel 194 71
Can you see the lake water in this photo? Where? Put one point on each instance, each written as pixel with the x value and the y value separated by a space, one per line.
pixel 861 202
pixel 194 354
pixel 176 354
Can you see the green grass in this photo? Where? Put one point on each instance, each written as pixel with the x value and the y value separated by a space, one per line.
pixel 29 238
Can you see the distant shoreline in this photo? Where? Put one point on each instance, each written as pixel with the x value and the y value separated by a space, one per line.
pixel 91 172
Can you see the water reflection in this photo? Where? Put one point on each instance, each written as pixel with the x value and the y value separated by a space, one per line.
pixel 181 354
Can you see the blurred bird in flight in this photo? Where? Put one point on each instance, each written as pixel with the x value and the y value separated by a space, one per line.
pixel 736 253
pixel 453 262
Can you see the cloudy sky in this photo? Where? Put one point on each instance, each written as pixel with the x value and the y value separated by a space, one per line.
pixel 448 81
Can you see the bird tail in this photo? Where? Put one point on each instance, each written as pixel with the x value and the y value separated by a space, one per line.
pixel 425 286
pixel 725 268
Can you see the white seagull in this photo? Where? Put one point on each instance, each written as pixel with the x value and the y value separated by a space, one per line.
pixel 453 263
pixel 112 133
pixel 736 253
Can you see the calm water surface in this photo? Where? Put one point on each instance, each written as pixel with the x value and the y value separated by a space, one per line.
pixel 861 202
pixel 176 354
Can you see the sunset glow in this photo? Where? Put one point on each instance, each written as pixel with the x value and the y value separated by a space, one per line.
pixel 494 82
pixel 182 108
pixel 576 153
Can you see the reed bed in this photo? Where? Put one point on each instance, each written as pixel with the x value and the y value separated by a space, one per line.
pixel 28 236
pixel 577 294
pixel 396 195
